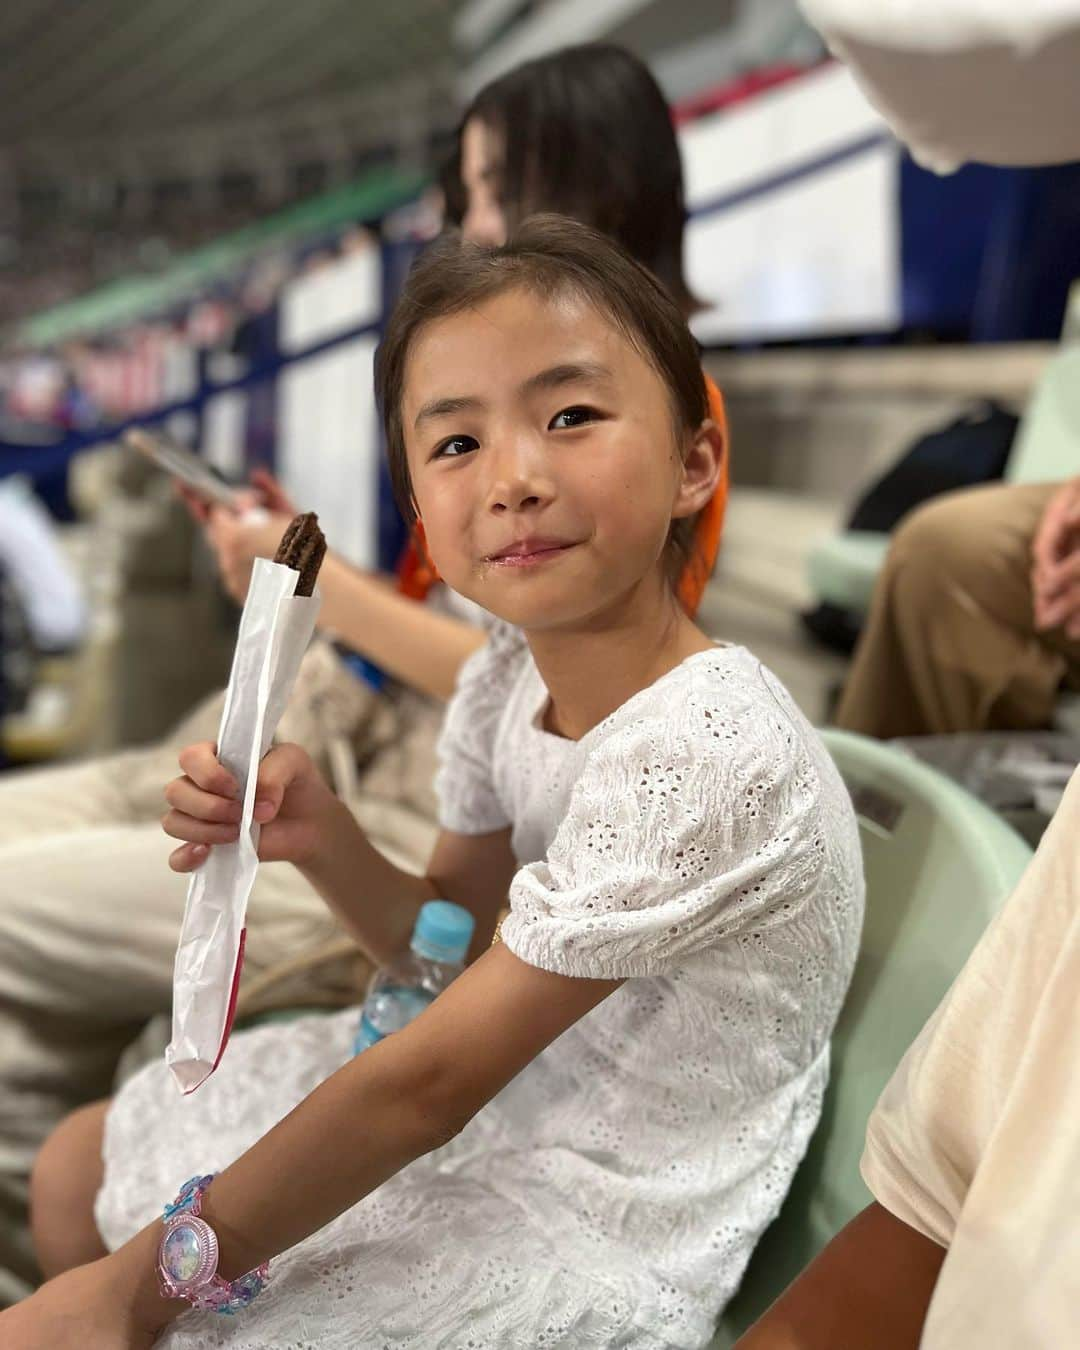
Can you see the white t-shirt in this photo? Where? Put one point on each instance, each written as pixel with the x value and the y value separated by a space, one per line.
pixel 976 1140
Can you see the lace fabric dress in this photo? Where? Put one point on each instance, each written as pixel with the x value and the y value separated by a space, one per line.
pixel 700 845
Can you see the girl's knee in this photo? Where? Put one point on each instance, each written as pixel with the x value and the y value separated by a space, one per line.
pixel 72 1150
pixel 63 1185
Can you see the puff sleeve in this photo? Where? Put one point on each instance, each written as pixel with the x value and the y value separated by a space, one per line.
pixel 682 832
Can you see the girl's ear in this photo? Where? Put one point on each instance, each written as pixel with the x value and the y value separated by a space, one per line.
pixel 701 469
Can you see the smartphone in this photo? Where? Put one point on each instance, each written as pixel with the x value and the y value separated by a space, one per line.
pixel 194 472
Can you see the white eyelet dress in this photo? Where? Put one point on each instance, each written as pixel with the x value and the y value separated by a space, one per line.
pixel 699 844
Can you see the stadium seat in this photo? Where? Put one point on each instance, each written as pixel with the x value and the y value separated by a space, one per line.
pixel 938 866
pixel 842 568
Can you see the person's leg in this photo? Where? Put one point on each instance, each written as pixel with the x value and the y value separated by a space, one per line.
pixel 950 642
pixel 57 800
pixel 124 788
pixel 88 930
pixel 67 1175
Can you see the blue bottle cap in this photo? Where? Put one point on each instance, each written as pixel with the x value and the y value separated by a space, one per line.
pixel 443 931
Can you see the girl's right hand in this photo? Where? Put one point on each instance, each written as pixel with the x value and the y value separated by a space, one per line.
pixel 293 806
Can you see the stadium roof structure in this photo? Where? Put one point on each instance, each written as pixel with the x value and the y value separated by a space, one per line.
pixel 136 110
pixel 147 87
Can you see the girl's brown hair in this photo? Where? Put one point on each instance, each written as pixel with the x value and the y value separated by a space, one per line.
pixel 553 257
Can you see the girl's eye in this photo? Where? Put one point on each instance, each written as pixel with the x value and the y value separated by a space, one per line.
pixel 455 446
pixel 572 417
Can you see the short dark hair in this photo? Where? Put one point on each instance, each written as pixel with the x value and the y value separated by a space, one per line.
pixel 553 257
pixel 587 133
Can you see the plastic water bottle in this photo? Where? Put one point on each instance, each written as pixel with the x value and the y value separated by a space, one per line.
pixel 402 990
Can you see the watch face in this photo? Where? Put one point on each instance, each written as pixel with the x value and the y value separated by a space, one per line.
pixel 187 1256
pixel 182 1253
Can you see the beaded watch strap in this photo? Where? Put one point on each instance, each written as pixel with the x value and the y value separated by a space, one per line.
pixel 216 1294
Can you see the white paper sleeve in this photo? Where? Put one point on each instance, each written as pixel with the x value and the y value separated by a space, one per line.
pixel 275 629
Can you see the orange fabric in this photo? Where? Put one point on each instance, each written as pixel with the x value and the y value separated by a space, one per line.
pixel 417 574
pixel 710 525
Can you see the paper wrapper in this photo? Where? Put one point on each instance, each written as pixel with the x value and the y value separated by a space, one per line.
pixel 275 629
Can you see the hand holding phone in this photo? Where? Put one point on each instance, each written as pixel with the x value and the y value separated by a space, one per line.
pixel 236 541
pixel 194 473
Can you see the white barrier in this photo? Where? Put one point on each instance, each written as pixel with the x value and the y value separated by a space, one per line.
pixel 815 255
pixel 327 444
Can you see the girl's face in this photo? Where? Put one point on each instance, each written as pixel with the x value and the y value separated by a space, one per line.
pixel 481 170
pixel 543 458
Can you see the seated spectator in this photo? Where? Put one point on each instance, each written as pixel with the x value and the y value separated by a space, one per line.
pixel 42 579
pixel 975 622
pixel 42 608
pixel 81 854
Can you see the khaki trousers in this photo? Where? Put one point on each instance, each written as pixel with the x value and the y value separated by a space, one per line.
pixel 90 913
pixel 950 642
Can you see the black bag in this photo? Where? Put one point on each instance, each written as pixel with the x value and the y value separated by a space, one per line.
pixel 971 450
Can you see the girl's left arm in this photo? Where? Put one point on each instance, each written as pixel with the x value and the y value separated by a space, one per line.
pixel 400 1099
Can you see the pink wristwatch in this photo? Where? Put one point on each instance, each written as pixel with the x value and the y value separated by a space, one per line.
pixel 188 1257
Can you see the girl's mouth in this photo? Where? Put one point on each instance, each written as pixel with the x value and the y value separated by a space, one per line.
pixel 531 552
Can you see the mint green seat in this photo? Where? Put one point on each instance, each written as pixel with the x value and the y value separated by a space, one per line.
pixel 1047 445
pixel 938 866
pixel 842 568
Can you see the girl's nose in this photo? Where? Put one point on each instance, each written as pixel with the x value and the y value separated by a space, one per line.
pixel 512 500
pixel 520 481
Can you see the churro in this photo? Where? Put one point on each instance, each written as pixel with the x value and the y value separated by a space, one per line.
pixel 303 547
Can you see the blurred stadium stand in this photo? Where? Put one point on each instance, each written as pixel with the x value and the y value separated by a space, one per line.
pixel 133 128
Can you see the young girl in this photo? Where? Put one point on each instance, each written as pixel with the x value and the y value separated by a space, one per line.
pixel 580 1141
